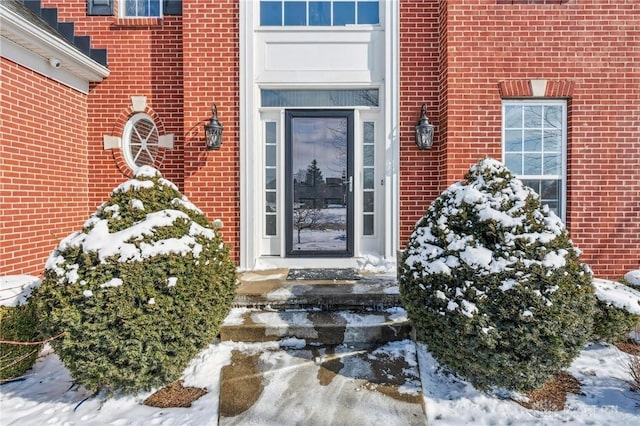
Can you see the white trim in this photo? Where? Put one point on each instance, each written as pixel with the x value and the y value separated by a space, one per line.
pixel 563 148
pixel 391 101
pixel 32 47
pixel 247 235
pixel 253 77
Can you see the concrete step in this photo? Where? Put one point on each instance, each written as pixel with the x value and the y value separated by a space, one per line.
pixel 316 327
pixel 272 289
pixel 271 384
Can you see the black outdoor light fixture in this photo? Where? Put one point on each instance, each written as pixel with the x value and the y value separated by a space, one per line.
pixel 213 130
pixel 424 130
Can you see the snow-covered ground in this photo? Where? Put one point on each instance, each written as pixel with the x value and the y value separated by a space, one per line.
pixel 47 395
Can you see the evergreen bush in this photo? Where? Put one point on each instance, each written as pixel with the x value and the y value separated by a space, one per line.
pixel 493 285
pixel 17 324
pixel 612 324
pixel 139 291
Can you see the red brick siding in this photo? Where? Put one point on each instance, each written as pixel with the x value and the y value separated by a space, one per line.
pixel 593 45
pixel 144 59
pixel 211 75
pixel 43 167
pixel 419 79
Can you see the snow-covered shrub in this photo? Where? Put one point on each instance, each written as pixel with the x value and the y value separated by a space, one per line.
pixel 139 291
pixel 617 311
pixel 493 285
pixel 18 323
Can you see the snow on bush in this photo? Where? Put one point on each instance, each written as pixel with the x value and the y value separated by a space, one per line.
pixel 493 285
pixel 617 311
pixel 139 291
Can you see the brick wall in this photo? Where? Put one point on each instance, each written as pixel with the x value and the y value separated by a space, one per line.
pixel 211 75
pixel 594 45
pixel 43 167
pixel 419 84
pixel 144 59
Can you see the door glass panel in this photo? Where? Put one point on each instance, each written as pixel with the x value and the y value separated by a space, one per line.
pixel 270 178
pixel 319 174
pixel 368 177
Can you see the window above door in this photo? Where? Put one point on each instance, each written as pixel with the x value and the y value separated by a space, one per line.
pixel 319 13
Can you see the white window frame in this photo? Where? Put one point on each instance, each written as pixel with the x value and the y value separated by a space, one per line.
pixel 127 150
pixel 122 7
pixel 562 176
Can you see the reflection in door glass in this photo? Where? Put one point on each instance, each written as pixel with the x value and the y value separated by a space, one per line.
pixel 319 174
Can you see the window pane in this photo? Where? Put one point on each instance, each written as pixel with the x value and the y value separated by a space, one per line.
pixel 368 178
pixel 270 225
pixel 368 154
pixel 270 132
pixel 532 164
pixel 533 116
pixel 319 98
pixel 368 12
pixel 367 202
pixel 141 8
pixel 319 13
pixel 344 13
pixel 270 13
pixel 367 224
pixel 533 140
pixel 270 178
pixel 513 140
pixel 295 13
pixel 513 163
pixel 552 140
pixel 550 189
pixel 551 164
pixel 271 202
pixel 513 117
pixel 367 132
pixel 553 116
pixel 270 157
pixel 533 184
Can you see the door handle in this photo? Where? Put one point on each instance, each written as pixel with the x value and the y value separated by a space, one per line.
pixel 350 183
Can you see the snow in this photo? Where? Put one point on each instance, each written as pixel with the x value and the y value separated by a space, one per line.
pixel 618 295
pixel 15 289
pixel 633 277
pixel 47 394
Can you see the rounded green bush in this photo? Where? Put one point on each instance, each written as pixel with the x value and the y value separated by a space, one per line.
pixel 612 324
pixel 139 291
pixel 493 285
pixel 17 324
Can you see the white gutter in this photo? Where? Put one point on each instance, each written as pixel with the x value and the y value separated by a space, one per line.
pixel 35 48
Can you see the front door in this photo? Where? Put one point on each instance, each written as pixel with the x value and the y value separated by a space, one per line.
pixel 319 183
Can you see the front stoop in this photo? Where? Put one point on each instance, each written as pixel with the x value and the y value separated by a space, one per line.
pixel 319 352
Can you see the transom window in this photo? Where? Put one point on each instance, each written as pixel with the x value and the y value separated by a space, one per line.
pixel 319 98
pixel 319 13
pixel 140 141
pixel 534 146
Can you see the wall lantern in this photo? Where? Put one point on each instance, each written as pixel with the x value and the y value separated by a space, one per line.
pixel 213 130
pixel 424 130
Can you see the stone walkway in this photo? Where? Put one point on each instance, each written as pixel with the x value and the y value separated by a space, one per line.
pixel 319 352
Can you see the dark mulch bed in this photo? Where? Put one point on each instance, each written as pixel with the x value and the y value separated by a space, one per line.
pixel 174 395
pixel 552 396
pixel 630 346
